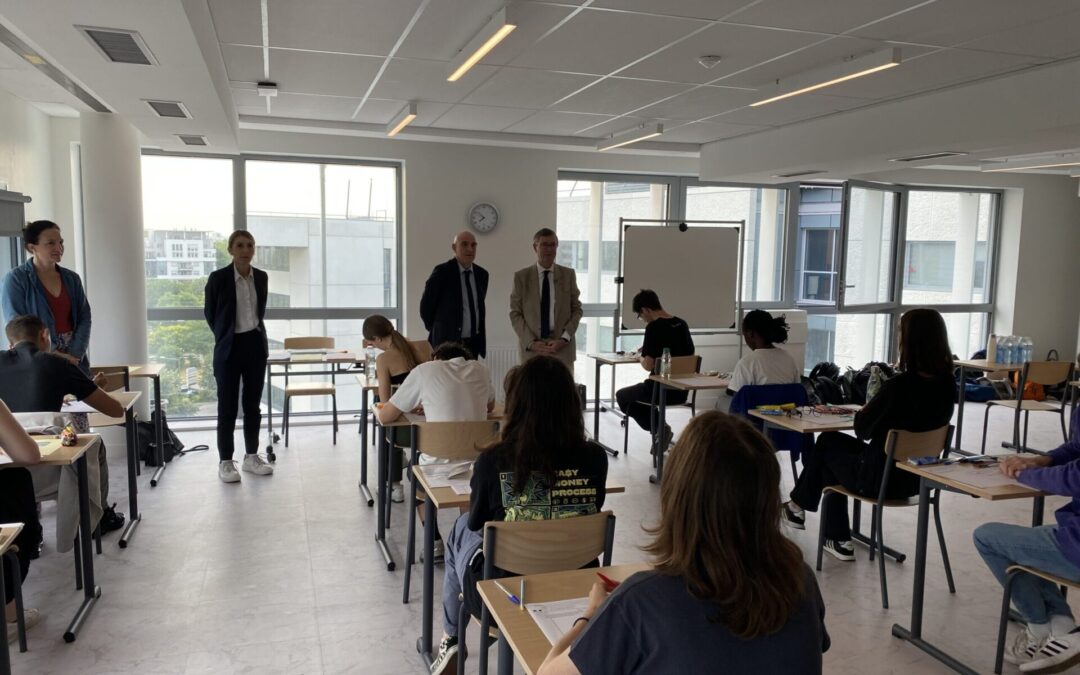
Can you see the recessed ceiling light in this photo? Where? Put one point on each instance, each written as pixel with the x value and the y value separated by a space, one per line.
pixel 1045 162
pixel 631 135
pixel 812 80
pixel 401 120
pixel 929 155
pixel 483 42
pixel 796 174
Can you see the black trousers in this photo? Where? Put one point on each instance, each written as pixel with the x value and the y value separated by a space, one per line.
pixel 17 505
pixel 473 344
pixel 635 399
pixel 835 460
pixel 246 365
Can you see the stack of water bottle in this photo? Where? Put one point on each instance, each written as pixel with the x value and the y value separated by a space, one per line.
pixel 1007 350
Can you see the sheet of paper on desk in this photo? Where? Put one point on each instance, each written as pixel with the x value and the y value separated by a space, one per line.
pixel 47 446
pixel 307 358
pixel 555 619
pixel 448 475
pixel 979 477
pixel 278 355
pixel 825 420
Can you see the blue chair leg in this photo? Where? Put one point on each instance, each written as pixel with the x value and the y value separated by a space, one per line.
pixel 821 532
pixel 462 625
pixel 1003 623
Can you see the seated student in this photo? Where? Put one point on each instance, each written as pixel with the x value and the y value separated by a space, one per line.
pixel 662 331
pixel 729 593
pixel 518 478
pixel 766 363
pixel 396 361
pixel 452 387
pixel 32 379
pixel 919 398
pixel 17 505
pixel 1048 639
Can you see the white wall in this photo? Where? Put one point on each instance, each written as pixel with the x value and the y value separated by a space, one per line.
pixel 25 161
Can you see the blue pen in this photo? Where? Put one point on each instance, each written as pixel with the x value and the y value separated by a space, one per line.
pixel 509 596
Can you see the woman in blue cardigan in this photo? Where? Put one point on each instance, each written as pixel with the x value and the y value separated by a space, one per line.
pixel 42 288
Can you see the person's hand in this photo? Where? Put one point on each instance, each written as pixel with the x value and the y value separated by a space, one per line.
pixel 100 380
pixel 557 345
pixel 1013 466
pixel 540 347
pixel 597 595
pixel 418 410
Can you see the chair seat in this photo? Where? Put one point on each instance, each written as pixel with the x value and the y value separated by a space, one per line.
pixel 1028 404
pixel 840 489
pixel 1057 581
pixel 310 389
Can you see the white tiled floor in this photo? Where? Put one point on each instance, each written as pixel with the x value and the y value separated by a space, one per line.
pixel 281 574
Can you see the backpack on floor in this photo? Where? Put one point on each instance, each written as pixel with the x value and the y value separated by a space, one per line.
pixel 147 431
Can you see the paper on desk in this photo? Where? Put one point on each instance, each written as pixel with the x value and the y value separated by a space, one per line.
pixel 48 446
pixel 556 618
pixel 278 355
pixel 969 475
pixel 4 458
pixel 456 475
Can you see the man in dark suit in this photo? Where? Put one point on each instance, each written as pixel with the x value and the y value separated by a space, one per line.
pixel 234 308
pixel 452 306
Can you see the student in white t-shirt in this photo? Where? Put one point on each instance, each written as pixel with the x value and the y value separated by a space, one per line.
pixel 766 363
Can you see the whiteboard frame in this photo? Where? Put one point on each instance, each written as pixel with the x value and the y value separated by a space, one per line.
pixel 624 223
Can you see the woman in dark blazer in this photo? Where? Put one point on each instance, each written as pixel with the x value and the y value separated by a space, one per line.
pixel 234 308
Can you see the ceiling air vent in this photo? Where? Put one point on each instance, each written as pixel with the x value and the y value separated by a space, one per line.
pixel 119 45
pixel 798 174
pixel 929 155
pixel 169 109
pixel 188 139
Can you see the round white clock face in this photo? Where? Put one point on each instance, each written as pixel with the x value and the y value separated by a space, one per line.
pixel 483 217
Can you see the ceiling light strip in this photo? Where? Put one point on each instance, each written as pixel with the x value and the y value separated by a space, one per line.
pixel 827 77
pixel 386 62
pixel 493 32
pixel 990 168
pixel 628 136
pixel 401 120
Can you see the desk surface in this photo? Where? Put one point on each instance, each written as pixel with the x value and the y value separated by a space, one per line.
pixel 696 382
pixel 986 366
pixel 361 379
pixel 810 424
pixel 953 481
pixel 445 497
pixel 147 370
pixel 613 359
pixel 303 357
pixel 8 532
pixel 525 637
pixel 64 456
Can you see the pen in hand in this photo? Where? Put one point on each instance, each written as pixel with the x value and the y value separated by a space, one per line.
pixel 609 584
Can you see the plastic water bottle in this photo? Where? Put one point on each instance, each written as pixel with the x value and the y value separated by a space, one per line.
pixel 991 349
pixel 874 384
pixel 369 364
pixel 1027 349
pixel 665 363
pixel 999 350
pixel 1005 351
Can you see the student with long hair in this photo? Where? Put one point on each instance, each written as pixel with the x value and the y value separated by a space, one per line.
pixel 541 468
pixel 728 591
pixel 392 366
pixel 919 398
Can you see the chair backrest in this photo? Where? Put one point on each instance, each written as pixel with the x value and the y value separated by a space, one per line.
pixel 1047 373
pixel 312 342
pixel 540 546
pixel 455 440
pixel 906 445
pixel 422 349
pixel 751 396
pixel 684 365
pixel 116 377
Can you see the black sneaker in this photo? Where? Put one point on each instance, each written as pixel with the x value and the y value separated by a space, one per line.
pixel 795 520
pixel 111 519
pixel 841 550
pixel 446 660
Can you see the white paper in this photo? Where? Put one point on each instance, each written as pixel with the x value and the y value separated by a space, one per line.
pixel 988 477
pixel 456 476
pixel 556 618
pixel 4 458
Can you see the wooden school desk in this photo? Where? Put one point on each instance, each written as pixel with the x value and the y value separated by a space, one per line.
pixel 688 383
pixel 929 479
pixel 614 360
pixel 151 371
pixel 8 532
pixel 809 423
pixel 517 629
pixel 68 456
pixel 978 365
pixel 444 498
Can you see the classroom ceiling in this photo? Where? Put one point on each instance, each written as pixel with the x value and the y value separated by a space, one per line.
pixel 573 72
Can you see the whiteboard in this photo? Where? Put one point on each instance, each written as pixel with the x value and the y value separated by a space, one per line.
pixel 695 273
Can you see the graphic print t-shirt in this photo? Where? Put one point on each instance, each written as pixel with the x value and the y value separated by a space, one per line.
pixel 580 476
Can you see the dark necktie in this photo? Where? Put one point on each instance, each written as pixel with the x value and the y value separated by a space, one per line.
pixel 545 307
pixel 474 320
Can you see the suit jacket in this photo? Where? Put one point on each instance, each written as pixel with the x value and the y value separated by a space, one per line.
pixel 219 309
pixel 525 310
pixel 441 308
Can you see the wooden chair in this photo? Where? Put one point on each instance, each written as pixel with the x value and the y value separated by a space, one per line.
pixel 536 547
pixel 442 440
pixel 900 446
pixel 1011 574
pixel 309 388
pixel 680 365
pixel 1047 373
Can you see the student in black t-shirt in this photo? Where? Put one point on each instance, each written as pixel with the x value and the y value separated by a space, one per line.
pixel 662 331
pixel 729 593
pixel 541 468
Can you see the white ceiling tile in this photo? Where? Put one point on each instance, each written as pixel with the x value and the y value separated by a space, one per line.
pixel 553 123
pixel 321 73
pixel 446 26
pixel 524 88
pixel 381 111
pixel 738 46
pixel 950 22
pixel 790 110
pixel 617 96
pixel 1052 38
pixel 825 16
pixel 600 42
pixel 699 103
pixel 237 21
pixel 705 132
pixel 354 26
pixel 408 80
pixel 615 125
pixel 314 107
pixel 699 9
pixel 481 118
pixel 243 64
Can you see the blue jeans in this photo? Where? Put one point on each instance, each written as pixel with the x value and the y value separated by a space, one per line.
pixel 1002 545
pixel 460 548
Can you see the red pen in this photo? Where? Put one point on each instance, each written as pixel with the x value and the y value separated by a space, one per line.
pixel 609 584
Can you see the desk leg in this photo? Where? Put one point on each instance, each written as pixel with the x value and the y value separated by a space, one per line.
pixel 596 404
pixel 961 391
pixel 91 592
pixel 661 421
pixel 134 517
pixel 382 470
pixel 364 447
pixel 506 657
pixel 159 435
pixel 423 645
pixel 5 656
pixel 269 412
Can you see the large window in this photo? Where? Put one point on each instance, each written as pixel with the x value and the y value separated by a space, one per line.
pixel 948 236
pixel 818 256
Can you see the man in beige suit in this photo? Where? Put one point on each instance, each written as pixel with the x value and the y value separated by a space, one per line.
pixel 544 305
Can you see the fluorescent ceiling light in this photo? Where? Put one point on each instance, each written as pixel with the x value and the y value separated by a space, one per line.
pixel 401 120
pixel 1058 162
pixel 483 42
pixel 826 77
pixel 1075 173
pixel 628 136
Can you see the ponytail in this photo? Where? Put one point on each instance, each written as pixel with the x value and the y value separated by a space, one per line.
pixel 378 326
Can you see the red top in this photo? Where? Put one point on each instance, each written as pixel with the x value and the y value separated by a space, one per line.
pixel 61 310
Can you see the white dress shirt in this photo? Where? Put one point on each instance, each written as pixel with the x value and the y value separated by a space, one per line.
pixel 551 281
pixel 450 391
pixel 247 315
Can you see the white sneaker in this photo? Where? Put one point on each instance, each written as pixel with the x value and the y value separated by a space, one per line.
pixel 255 464
pixel 227 472
pixel 1024 647
pixel 397 494
pixel 31 617
pixel 1060 653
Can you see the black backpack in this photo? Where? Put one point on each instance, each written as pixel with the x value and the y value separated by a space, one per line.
pixel 147 431
pixel 822 386
pixel 855 382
